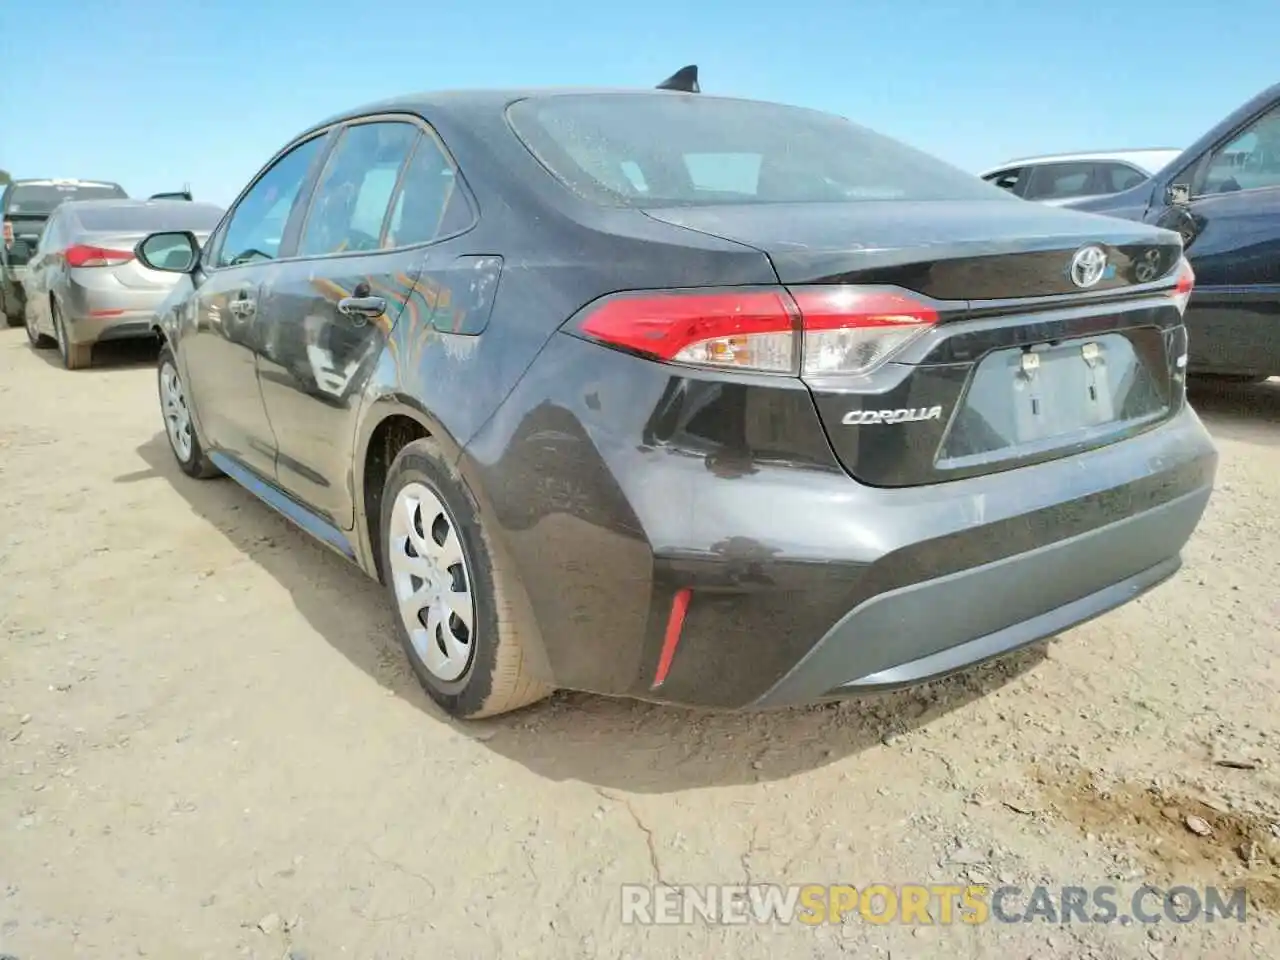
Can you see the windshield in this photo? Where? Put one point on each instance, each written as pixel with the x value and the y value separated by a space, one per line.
pixel 149 218
pixel 651 150
pixel 39 199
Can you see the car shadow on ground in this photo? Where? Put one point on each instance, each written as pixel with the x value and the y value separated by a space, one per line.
pixel 610 743
pixel 113 355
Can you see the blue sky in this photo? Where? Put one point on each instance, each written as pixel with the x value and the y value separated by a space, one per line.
pixel 156 94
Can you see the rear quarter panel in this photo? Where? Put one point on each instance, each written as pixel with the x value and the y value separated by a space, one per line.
pixel 558 253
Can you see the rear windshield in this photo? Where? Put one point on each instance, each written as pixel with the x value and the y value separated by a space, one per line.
pixel 40 199
pixel 160 215
pixel 664 150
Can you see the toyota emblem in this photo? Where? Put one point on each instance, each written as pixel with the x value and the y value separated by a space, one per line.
pixel 1088 266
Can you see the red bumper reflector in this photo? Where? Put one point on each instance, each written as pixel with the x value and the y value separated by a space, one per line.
pixel 675 623
pixel 102 314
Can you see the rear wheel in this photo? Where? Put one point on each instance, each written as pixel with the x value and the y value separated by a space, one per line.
pixel 178 424
pixel 454 595
pixel 75 356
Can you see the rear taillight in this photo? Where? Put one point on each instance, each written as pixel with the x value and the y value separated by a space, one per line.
pixel 8 234
pixel 801 330
pixel 81 255
pixel 1185 283
pixel 853 330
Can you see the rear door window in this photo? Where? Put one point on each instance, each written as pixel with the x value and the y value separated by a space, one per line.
pixel 431 203
pixel 354 191
pixel 1119 176
pixel 1061 181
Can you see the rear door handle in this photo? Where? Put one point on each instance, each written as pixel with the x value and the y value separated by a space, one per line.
pixel 363 308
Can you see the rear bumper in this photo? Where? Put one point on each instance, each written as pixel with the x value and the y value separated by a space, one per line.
pixel 938 581
pixel 938 626
pixel 123 326
pixel 96 314
pixel 804 583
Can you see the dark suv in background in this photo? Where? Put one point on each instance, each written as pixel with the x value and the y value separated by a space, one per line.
pixel 25 206
pixel 1223 195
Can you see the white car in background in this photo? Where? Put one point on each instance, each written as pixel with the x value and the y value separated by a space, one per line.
pixel 1063 177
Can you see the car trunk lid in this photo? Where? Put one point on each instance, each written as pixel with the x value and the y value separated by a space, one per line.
pixel 947 250
pixel 1022 364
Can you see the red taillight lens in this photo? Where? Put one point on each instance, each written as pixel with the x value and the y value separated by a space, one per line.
pixel 86 256
pixel 813 330
pixel 752 329
pixel 1185 283
pixel 8 234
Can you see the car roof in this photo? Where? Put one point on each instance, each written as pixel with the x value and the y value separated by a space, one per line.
pixel 1142 156
pixel 54 182
pixel 127 202
pixel 461 103
pixel 73 207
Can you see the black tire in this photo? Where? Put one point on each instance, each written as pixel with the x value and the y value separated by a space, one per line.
pixel 498 678
pixel 197 463
pixel 38 341
pixel 75 356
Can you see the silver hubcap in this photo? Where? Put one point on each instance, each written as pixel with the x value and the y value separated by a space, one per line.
pixel 432 582
pixel 177 418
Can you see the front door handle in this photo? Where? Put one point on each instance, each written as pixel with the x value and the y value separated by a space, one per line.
pixel 363 308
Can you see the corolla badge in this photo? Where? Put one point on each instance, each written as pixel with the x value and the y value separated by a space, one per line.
pixel 909 415
pixel 1088 266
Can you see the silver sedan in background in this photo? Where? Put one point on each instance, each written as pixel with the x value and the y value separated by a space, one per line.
pixel 84 285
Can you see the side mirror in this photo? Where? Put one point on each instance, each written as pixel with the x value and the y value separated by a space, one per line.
pixel 1178 194
pixel 175 252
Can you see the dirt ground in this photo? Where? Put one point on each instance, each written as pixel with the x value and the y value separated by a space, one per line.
pixel 210 745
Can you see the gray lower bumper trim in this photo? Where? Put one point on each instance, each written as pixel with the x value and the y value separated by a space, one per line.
pixel 1019 635
pixel 938 626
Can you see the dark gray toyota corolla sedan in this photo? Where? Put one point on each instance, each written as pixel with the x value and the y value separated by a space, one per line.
pixel 693 399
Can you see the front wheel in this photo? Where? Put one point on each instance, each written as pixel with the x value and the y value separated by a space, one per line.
pixel 467 637
pixel 178 425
